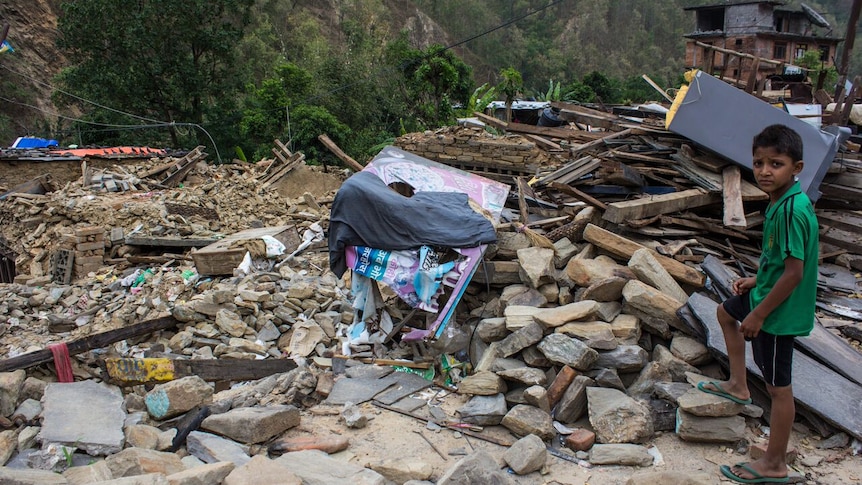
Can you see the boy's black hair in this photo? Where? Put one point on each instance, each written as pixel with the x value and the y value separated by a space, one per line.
pixel 784 139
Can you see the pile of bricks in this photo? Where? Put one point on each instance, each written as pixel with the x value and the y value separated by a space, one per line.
pixel 88 245
pixel 475 150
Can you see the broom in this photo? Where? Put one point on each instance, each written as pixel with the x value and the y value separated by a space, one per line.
pixel 536 239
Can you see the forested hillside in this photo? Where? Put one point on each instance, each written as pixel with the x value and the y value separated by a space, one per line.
pixel 243 72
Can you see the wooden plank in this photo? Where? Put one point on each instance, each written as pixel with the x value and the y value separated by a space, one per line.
pixel 816 387
pixel 544 142
pixel 638 157
pixel 295 160
pixel 569 190
pixel 711 163
pixel 625 248
pixel 734 212
pixel 168 241
pixel 616 172
pixel 347 159
pixel 845 221
pixel 576 151
pixel 91 342
pixel 587 116
pixel 618 212
pixel 702 226
pixel 220 258
pixel 184 166
pixel 851 241
pixel 571 171
pixel 131 372
pixel 821 344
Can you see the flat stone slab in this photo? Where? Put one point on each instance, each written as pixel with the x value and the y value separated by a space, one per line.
pixel 368 371
pixel 409 404
pixel 86 415
pixel 357 390
pixel 317 468
pixel 404 384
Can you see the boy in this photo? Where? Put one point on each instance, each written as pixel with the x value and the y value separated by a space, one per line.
pixel 777 304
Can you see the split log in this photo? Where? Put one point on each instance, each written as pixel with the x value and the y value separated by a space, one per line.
pixel 623 247
pixel 89 343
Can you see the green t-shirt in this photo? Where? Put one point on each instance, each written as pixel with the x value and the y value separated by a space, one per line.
pixel 790 229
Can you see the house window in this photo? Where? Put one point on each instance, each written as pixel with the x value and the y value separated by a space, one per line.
pixel 800 50
pixel 824 53
pixel 738 42
pixel 779 51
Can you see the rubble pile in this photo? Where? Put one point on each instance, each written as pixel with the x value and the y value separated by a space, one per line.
pixel 577 354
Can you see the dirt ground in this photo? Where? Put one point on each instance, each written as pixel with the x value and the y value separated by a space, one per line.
pixel 310 179
pixel 389 434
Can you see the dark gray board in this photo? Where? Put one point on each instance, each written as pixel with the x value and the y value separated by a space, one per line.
pixel 822 344
pixel 816 388
pixel 725 119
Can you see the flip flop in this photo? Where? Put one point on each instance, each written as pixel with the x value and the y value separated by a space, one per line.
pixel 756 477
pixel 718 391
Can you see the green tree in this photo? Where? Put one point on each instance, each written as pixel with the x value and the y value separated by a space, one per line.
pixel 435 79
pixel 607 89
pixel 816 68
pixel 267 108
pixel 307 122
pixel 158 59
pixel 511 84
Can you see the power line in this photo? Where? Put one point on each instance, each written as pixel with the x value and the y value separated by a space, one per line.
pixel 54 88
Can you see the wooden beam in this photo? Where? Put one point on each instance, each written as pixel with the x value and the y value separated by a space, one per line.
pixel 619 212
pixel 571 171
pixel 587 116
pixel 576 151
pixel 702 226
pixel 738 54
pixel 846 221
pixel 657 88
pixel 89 343
pixel 569 190
pixel 618 173
pixel 623 247
pixel 328 143
pixel 734 212
pixel 132 372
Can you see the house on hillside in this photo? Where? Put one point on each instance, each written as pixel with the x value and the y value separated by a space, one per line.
pixel 757 41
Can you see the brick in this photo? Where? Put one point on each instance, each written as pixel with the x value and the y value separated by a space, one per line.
pixel 560 384
pixel 90 246
pixel 88 260
pixel 89 230
pixel 580 440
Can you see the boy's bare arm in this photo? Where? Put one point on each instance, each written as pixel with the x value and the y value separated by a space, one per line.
pixel 785 285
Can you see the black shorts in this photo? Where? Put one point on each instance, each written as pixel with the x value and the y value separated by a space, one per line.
pixel 773 354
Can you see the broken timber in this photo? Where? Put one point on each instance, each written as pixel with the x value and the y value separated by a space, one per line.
pixel 619 212
pixel 89 343
pixel 131 372
pixel 328 143
pixel 285 162
pixel 625 248
pixel 178 170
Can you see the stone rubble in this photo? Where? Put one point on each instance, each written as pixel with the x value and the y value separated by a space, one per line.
pixel 582 340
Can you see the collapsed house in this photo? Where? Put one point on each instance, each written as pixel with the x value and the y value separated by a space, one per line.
pixel 561 282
